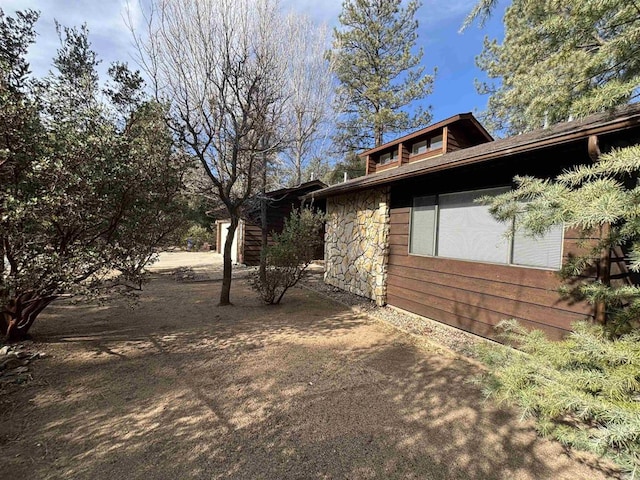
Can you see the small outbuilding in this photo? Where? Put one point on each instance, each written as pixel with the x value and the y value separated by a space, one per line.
pixel 247 242
pixel 409 233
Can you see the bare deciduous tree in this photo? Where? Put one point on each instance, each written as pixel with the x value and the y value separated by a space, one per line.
pixel 217 64
pixel 310 92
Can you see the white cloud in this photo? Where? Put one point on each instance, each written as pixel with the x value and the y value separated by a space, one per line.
pixel 108 32
pixel 111 39
pixel 107 23
pixel 435 12
pixel 322 11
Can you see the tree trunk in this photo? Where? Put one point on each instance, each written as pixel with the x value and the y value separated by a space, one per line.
pixel 378 137
pixel 19 314
pixel 227 267
pixel 298 167
pixel 604 273
pixel 3 293
pixel 264 241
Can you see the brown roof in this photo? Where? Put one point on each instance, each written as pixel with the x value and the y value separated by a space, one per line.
pixel 310 185
pixel 443 123
pixel 618 119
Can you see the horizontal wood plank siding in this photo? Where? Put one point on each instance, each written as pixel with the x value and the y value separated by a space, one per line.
pixel 475 296
pixel 457 139
pixel 252 244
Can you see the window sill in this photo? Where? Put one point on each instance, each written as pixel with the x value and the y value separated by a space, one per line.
pixel 386 166
pixel 512 265
pixel 424 156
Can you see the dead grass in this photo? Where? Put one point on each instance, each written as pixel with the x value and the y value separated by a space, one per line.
pixel 180 388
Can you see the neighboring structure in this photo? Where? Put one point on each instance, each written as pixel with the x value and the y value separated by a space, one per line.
pixel 410 234
pixel 247 242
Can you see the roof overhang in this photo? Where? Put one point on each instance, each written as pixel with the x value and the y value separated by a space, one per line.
pixel 607 122
pixel 468 117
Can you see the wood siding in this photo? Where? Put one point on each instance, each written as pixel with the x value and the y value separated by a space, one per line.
pixel 278 210
pixel 458 139
pixel 475 296
pixel 252 244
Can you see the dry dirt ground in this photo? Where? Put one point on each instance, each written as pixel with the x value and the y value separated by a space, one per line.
pixel 180 388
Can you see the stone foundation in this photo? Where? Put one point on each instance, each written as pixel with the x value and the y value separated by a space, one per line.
pixel 357 243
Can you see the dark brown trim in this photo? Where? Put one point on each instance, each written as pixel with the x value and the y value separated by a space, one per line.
pixel 445 139
pixel 602 123
pixel 447 121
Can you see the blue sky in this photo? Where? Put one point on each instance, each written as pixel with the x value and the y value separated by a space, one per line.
pixel 453 53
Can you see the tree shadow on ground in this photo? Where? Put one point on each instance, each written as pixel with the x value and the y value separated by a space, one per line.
pixel 181 388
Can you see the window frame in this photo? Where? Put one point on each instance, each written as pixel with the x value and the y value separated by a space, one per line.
pixel 441 141
pixel 436 231
pixel 393 157
pixel 428 145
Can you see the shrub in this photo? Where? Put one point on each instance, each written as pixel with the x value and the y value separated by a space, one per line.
pixel 583 391
pixel 291 253
pixel 198 236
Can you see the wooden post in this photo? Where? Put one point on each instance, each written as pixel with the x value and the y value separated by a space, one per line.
pixel 603 270
pixel 604 274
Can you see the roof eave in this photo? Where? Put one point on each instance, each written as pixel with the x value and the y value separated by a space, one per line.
pixel 385 177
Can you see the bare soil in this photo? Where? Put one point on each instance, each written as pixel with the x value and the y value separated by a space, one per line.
pixel 180 388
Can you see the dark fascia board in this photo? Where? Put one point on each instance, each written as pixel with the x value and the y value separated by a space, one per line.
pixel 443 123
pixel 619 119
pixel 303 186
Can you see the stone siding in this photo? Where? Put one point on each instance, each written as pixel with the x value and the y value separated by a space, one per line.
pixel 357 243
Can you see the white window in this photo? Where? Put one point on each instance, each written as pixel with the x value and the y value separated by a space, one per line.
pixel 427 145
pixel 435 143
pixel 543 251
pixel 423 225
pixel 453 225
pixel 468 231
pixel 419 147
pixel 388 157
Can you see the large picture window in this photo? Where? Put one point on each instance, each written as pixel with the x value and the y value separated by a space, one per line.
pixel 452 225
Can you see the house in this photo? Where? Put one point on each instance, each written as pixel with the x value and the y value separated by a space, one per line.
pixel 247 243
pixel 409 233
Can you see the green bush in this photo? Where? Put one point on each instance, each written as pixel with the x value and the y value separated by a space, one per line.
pixel 198 236
pixel 583 391
pixel 291 253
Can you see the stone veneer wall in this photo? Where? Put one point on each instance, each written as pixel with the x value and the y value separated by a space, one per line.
pixel 356 243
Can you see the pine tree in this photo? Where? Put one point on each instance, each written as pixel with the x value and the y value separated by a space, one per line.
pixel 351 165
pixel 582 391
pixel 585 390
pixel 558 60
pixel 597 201
pixel 378 72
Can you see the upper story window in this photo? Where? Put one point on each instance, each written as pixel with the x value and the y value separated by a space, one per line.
pixel 420 147
pixel 435 143
pixel 427 145
pixel 388 157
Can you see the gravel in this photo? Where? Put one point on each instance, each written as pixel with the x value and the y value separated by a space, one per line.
pixel 458 341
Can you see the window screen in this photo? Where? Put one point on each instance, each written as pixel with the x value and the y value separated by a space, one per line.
pixel 545 251
pixel 423 225
pixel 467 230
